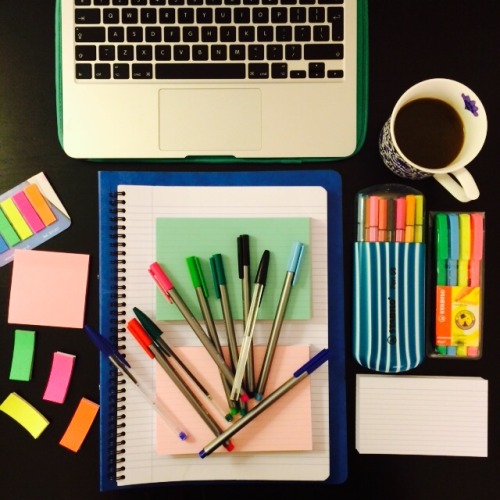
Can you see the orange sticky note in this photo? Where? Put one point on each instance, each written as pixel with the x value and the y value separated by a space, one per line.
pixel 48 288
pixel 80 425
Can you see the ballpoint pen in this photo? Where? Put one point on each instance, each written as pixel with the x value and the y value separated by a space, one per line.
pixel 464 249
pixel 476 256
pixel 244 275
pixel 124 367
pixel 290 280
pixel 155 333
pixel 453 250
pixel 135 328
pixel 314 363
pixel 171 294
pixel 201 290
pixel 442 246
pixel 258 291
pixel 220 284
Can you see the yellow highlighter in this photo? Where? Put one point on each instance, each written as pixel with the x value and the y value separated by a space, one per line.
pixel 410 219
pixel 464 243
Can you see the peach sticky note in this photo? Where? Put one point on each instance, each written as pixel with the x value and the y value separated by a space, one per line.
pixel 80 425
pixel 25 414
pixel 48 288
pixel 284 426
pixel 59 378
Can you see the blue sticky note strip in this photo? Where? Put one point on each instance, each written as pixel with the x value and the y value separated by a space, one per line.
pixel 3 246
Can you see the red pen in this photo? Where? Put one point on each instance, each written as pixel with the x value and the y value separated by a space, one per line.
pixel 145 341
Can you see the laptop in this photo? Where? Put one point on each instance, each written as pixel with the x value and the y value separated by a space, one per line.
pixel 230 79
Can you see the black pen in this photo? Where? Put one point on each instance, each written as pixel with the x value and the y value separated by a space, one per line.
pixel 246 344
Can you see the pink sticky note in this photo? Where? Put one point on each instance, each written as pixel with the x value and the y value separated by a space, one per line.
pixel 59 378
pixel 48 288
pixel 284 426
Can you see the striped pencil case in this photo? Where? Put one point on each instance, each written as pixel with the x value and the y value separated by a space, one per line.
pixel 389 279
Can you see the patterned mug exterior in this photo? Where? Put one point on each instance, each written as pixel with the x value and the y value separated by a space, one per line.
pixel 393 160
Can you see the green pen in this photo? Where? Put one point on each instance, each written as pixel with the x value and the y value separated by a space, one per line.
pixel 441 224
pixel 156 335
pixel 201 289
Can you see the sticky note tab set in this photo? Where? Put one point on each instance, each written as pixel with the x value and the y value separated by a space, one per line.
pixel 458 249
pixel 30 213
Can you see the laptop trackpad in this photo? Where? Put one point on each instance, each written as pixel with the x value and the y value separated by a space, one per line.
pixel 210 119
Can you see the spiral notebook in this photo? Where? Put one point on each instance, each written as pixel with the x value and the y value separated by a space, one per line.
pixel 130 203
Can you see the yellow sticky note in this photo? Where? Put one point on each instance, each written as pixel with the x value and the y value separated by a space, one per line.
pixel 80 425
pixel 25 414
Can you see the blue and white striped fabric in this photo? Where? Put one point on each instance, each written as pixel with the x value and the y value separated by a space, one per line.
pixel 389 305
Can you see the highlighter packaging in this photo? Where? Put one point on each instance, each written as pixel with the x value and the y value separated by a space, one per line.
pixel 389 278
pixel 457 243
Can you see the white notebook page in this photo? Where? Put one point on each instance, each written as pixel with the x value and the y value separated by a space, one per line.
pixel 143 205
pixel 422 415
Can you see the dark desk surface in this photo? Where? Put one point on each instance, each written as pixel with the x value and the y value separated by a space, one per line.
pixel 409 42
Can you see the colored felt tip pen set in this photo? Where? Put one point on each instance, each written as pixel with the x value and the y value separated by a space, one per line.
pixel 459 258
pixel 235 375
pixel 390 331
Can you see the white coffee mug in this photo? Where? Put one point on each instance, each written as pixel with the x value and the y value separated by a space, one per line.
pixel 465 102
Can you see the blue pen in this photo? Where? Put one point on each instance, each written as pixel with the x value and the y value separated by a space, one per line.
pixel 294 261
pixel 124 367
pixel 453 253
pixel 314 363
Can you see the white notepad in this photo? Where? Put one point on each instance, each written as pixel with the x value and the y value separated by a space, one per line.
pixel 418 415
pixel 144 205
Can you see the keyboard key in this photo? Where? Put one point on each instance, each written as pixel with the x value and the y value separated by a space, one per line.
pixel 298 74
pixel 83 71
pixel 142 71
pixel 90 35
pixel 121 71
pixel 87 16
pixel 316 70
pixel 102 71
pixel 204 71
pixel 335 73
pixel 85 53
pixel 323 51
pixel 258 70
pixel 279 70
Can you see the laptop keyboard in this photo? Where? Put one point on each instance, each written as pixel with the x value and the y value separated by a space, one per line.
pixel 169 40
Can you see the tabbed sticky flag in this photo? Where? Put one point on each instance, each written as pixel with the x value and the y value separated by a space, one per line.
pixel 80 425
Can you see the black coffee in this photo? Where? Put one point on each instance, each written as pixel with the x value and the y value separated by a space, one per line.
pixel 429 132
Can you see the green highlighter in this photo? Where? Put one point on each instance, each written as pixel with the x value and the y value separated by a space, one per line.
pixel 441 226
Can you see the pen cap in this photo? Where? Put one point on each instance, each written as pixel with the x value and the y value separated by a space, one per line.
pixel 390 212
pixel 135 328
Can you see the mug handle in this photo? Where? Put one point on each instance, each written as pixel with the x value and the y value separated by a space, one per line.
pixel 464 188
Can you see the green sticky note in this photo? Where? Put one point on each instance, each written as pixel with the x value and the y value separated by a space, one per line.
pixel 180 238
pixel 22 356
pixel 7 231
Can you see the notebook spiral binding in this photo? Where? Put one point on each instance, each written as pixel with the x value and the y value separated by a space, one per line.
pixel 118 396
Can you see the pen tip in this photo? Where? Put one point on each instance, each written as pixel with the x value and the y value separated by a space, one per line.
pixel 202 454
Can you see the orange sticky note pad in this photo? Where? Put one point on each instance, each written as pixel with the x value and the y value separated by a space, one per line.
pixel 48 288
pixel 80 425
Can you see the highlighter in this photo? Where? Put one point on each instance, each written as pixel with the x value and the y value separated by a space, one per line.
pixel 389 280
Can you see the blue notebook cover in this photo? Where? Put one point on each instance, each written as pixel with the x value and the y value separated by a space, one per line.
pixel 109 210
